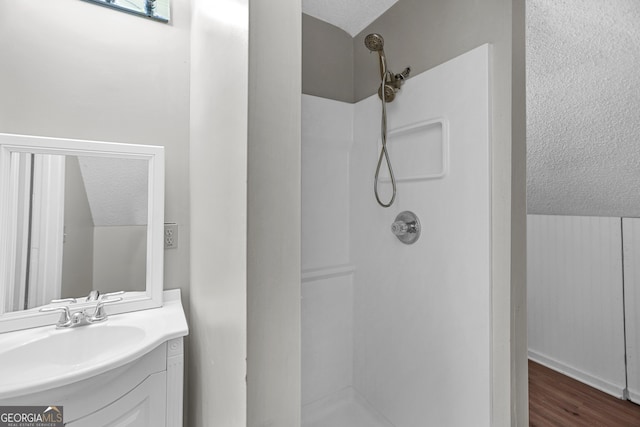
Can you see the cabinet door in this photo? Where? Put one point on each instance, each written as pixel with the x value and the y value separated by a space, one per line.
pixel 144 406
pixel 631 232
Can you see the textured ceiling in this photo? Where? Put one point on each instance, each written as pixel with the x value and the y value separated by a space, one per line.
pixel 583 107
pixel 116 189
pixel 352 16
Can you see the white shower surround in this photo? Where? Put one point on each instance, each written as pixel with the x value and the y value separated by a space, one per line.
pixel 406 327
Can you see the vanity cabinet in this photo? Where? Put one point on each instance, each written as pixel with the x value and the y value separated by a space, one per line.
pixel 143 406
pixel 146 392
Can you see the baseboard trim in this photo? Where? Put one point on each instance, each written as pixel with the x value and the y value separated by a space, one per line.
pixel 576 374
pixel 634 396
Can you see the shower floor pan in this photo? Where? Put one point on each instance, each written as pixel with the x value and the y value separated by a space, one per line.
pixel 345 408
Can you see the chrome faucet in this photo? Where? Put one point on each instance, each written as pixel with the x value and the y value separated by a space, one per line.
pixel 65 316
pixel 83 317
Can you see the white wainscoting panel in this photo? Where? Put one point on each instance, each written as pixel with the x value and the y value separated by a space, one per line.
pixel 631 233
pixel 575 298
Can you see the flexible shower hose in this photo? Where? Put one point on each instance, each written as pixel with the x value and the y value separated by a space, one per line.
pixel 383 151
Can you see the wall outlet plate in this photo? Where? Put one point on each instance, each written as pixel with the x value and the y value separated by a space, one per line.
pixel 170 235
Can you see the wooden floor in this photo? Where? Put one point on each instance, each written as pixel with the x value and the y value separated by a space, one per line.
pixel 557 400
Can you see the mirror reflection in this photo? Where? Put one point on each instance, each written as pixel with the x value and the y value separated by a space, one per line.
pixel 82 226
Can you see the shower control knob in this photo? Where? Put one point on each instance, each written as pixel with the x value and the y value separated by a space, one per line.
pixel 406 227
pixel 400 228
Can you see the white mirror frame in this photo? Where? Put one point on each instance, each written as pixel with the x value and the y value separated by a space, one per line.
pixel 132 301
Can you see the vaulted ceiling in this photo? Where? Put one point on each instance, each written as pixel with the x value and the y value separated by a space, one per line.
pixel 351 15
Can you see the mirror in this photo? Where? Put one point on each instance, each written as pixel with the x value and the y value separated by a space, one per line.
pixel 78 216
pixel 159 10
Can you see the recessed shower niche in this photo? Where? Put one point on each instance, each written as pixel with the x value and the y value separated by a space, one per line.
pixel 419 151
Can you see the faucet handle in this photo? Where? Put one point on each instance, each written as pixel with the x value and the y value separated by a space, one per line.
pixel 58 301
pixel 406 227
pixel 65 315
pixel 107 296
pixel 99 314
pixel 94 295
pixel 400 228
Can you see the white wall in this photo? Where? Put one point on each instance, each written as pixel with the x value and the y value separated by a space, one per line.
pixel 77 259
pixel 77 70
pixel 423 312
pixel 273 214
pixel 245 188
pixel 120 258
pixel 218 213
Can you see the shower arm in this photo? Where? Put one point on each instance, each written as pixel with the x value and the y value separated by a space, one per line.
pixel 392 82
pixel 397 80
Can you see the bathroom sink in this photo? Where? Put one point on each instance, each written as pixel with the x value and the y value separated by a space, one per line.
pixel 42 358
pixel 71 347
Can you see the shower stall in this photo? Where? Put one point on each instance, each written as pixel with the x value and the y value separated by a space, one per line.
pixel 394 334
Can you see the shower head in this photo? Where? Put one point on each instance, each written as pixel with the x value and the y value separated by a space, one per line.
pixel 390 82
pixel 374 42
